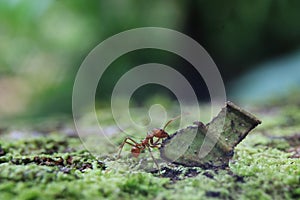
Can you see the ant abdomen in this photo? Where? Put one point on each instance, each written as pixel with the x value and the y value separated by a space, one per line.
pixel 135 152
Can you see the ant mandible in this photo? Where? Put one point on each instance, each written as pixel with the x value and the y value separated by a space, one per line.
pixel 148 142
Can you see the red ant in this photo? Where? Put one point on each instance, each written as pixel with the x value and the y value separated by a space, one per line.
pixel 148 142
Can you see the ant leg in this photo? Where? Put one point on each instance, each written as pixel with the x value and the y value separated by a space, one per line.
pixel 156 142
pixel 151 142
pixel 125 142
pixel 154 159
pixel 155 146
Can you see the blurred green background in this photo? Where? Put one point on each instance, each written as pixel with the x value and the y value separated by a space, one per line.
pixel 254 43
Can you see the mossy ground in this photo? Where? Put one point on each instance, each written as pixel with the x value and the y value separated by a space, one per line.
pixel 55 165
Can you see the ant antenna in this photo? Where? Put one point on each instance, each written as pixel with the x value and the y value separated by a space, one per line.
pixel 171 120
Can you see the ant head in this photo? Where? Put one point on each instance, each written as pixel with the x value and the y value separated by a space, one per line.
pixel 160 133
pixel 135 152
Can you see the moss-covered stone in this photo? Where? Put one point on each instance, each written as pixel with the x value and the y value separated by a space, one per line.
pixel 56 166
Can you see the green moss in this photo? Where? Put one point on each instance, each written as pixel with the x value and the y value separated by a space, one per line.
pixel 55 166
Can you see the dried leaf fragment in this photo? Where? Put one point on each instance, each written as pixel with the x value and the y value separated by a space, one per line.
pixel 215 140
